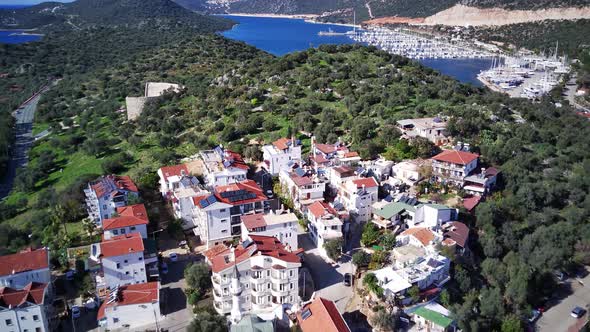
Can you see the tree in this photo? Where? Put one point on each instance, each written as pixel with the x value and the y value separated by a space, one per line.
pixel 370 235
pixel 445 298
pixel 207 320
pixel 370 281
pixel 253 152
pixel 512 323
pixel 387 241
pixel 414 293
pixel 383 321
pixel 361 258
pixel 333 248
pixel 197 276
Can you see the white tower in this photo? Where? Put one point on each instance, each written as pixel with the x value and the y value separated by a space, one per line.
pixel 236 290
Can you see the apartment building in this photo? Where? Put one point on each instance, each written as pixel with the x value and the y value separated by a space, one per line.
pixel 281 225
pixel 357 196
pixel 222 167
pixel 409 213
pixel 26 309
pixel 130 307
pixel 125 260
pixel 324 224
pixel 20 269
pixel 338 175
pixel 433 129
pixel 260 275
pixel 452 166
pixel 281 154
pixel 302 187
pixel 106 194
pixel 217 216
pixel 183 204
pixel 481 182
pixel 129 219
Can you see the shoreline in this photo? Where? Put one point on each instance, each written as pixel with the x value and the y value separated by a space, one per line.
pixel 309 18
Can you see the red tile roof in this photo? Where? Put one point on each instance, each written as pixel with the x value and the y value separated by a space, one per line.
pixel 351 154
pixel 281 143
pixel 131 215
pixel 33 292
pixel 133 294
pixel 326 148
pixel 367 182
pixel 324 317
pixel 300 181
pixel 122 245
pixel 344 171
pixel 107 185
pixel 236 160
pixel 26 260
pixel 319 159
pixel 260 245
pixel 175 170
pixel 248 185
pixel 320 209
pixel 471 202
pixel 458 232
pixel 253 221
pixel 456 157
pixel 422 234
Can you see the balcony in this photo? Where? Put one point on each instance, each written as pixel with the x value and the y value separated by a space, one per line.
pixel 258 291
pixel 219 295
pixel 276 291
pixel 278 277
pixel 258 280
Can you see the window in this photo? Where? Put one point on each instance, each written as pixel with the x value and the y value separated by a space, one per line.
pixel 141 269
pixel 140 258
pixel 36 318
pixel 223 221
pixel 37 329
pixel 118 265
pixel 115 232
pixel 127 273
pixel 222 210
pixel 224 231
pixel 23 318
pixel 115 319
pixel 290 273
pixel 132 228
pixel 125 261
pixel 9 322
pixel 104 207
pixel 122 230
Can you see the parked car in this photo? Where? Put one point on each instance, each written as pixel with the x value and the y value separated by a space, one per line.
pixel 535 314
pixel 347 279
pixel 76 312
pixel 173 256
pixel 578 312
pixel 270 194
pixel 164 268
pixel 560 275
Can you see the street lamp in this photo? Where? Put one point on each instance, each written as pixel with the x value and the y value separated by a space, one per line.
pixel 158 231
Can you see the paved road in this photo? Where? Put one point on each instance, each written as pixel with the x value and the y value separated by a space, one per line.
pixel 22 144
pixel 557 318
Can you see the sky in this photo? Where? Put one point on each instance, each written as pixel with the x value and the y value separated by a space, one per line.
pixel 28 2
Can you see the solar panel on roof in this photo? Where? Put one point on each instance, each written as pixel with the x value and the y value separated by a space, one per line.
pixel 433 263
pixel 306 314
pixel 218 150
pixel 211 199
pixel 204 203
pixel 227 163
pixel 300 171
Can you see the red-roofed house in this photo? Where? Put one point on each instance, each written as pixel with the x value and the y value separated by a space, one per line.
pixel 170 176
pixel 280 224
pixel 131 307
pixel 452 166
pixel 301 187
pixel 130 219
pixel 321 315
pixel 123 261
pixel 223 167
pixel 281 154
pixel 106 194
pixel 18 270
pixel 25 309
pixel 419 237
pixel 456 235
pixel 357 196
pixel 270 267
pixel 217 216
pixel 324 224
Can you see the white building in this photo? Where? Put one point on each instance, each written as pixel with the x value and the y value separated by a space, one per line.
pixel 222 167
pixel 280 154
pixel 26 309
pixel 217 216
pixel 420 237
pixel 19 270
pixel 433 129
pixel 324 224
pixel 281 225
pixel 108 193
pixel 410 172
pixel 183 204
pixel 339 174
pixel 123 261
pixel 357 196
pixel 452 166
pixel 404 215
pixel 259 275
pixel 130 307
pixel 175 177
pixel 129 219
pixel 301 187
pixel 481 183
pixel 380 168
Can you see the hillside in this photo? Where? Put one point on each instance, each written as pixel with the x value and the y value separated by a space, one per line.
pixel 90 13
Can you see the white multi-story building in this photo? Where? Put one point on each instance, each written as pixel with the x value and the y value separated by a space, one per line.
pixel 410 172
pixel 123 260
pixel 339 174
pixel 217 216
pixel 222 167
pixel 130 307
pixel 129 219
pixel 27 309
pixel 324 224
pixel 357 196
pixel 452 166
pixel 183 203
pixel 380 168
pixel 19 270
pixel 108 193
pixel 259 275
pixel 391 214
pixel 174 177
pixel 282 225
pixel 281 154
pixel 301 187
pixel 433 129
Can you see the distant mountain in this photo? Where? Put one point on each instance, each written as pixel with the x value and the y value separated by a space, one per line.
pixel 89 13
pixel 341 10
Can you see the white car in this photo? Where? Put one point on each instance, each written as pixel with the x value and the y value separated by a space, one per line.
pixel 173 256
pixel 76 311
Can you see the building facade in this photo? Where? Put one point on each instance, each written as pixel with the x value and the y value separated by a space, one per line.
pixel 130 307
pixel 222 167
pixel 281 154
pixel 281 225
pixel 20 269
pixel 108 193
pixel 25 310
pixel 302 187
pixel 452 166
pixel 357 196
pixel 324 224
pixel 129 219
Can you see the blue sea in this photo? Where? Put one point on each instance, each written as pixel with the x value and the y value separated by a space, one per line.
pixel 279 36
pixel 6 37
